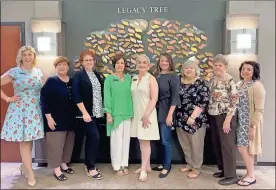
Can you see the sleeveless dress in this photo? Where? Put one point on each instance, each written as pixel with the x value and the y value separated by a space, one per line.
pixel 141 97
pixel 23 120
pixel 243 110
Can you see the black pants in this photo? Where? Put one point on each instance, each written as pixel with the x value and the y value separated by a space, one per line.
pixel 224 144
pixel 91 132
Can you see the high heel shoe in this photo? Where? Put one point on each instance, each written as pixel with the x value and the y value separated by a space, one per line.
pixel 23 171
pixel 32 183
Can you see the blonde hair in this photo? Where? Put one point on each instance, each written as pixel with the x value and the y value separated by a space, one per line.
pixel 142 55
pixel 193 63
pixel 21 50
pixel 138 58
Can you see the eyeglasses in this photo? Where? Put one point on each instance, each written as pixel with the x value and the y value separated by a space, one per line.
pixel 90 60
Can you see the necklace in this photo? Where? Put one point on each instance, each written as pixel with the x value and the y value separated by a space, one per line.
pixel 185 81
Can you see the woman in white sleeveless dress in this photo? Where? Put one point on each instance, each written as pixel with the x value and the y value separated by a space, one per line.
pixel 144 126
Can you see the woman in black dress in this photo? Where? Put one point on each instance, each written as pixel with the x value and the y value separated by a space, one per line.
pixel 191 117
pixel 58 110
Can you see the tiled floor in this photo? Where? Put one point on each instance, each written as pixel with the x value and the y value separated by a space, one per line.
pixel 11 179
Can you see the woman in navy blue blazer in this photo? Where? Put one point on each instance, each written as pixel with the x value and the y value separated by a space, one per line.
pixel 88 95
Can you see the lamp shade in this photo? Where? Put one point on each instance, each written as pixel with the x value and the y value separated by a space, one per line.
pixel 236 21
pixel 241 34
pixel 46 26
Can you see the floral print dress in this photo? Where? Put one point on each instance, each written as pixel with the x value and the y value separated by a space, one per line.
pixel 243 114
pixel 23 121
pixel 191 95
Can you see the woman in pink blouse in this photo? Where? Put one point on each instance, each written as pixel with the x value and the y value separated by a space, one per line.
pixel 222 108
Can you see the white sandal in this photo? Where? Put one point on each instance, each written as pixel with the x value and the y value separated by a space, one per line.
pixel 139 171
pixel 143 176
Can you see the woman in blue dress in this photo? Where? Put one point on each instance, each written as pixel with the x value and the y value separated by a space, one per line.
pixel 23 121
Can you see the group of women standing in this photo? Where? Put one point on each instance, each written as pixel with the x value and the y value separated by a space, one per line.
pixel 144 106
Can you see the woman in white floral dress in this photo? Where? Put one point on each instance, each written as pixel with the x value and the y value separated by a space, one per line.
pixel 23 122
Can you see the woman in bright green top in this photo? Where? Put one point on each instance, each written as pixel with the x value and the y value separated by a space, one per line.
pixel 119 111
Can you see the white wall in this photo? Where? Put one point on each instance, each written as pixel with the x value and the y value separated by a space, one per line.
pixel 24 11
pixel 19 11
pixel 266 57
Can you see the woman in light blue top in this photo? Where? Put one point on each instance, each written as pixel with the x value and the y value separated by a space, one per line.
pixel 23 122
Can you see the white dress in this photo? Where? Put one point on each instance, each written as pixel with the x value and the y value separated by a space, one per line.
pixel 141 97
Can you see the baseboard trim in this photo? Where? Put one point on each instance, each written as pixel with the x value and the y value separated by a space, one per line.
pixel 43 163
pixel 266 164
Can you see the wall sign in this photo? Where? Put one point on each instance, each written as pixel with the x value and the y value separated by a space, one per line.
pixel 142 10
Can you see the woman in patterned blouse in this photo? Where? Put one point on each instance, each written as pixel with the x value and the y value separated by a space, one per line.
pixel 87 93
pixel 191 118
pixel 222 108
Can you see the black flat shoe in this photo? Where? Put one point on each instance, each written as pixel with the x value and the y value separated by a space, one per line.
pixel 218 174
pixel 158 168
pixel 62 177
pixel 68 170
pixel 228 181
pixel 161 175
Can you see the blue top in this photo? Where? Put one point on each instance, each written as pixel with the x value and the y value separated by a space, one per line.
pixel 23 121
pixel 169 86
pixel 56 99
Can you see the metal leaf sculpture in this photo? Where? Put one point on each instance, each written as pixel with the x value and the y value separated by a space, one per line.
pixel 138 36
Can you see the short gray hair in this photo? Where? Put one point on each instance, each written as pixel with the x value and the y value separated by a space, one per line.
pixel 142 55
pixel 191 62
pixel 220 58
pixel 21 50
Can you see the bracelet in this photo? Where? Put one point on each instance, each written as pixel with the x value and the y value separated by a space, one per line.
pixel 8 100
pixel 192 118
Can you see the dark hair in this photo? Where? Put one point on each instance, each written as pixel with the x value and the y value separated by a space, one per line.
pixel 170 60
pixel 256 69
pixel 116 58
